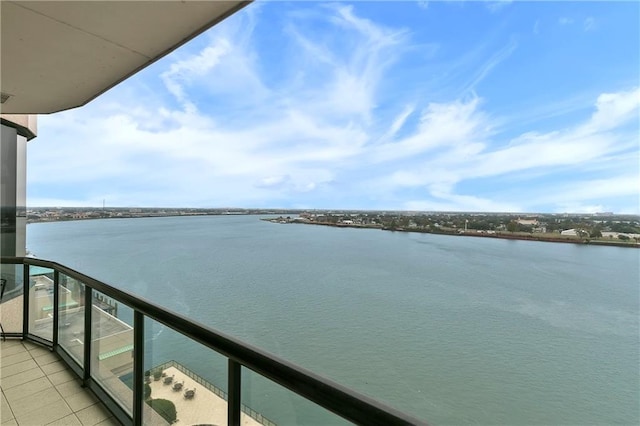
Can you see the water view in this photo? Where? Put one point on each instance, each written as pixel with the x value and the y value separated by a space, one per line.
pixel 454 330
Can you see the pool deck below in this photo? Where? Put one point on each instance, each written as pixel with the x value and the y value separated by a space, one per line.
pixel 204 407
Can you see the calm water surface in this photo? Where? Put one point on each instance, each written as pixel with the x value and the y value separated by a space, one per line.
pixel 454 330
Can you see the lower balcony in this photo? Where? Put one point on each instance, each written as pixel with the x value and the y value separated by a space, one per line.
pixel 102 342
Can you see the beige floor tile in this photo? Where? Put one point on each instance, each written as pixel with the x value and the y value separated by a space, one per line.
pixel 10 370
pixel 54 367
pixel 111 421
pixel 10 343
pixel 80 401
pixel 15 358
pixel 11 422
pixel 35 402
pixel 37 350
pixel 24 377
pixel 45 414
pixel 37 388
pixel 46 358
pixel 70 388
pixel 70 420
pixel 62 377
pixel 21 392
pixel 5 411
pixel 93 414
pixel 11 350
pixel 32 398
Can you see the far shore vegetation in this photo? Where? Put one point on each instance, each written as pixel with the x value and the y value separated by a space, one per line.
pixel 585 228
pixel 596 229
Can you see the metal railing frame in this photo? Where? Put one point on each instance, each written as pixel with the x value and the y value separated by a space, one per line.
pixel 344 402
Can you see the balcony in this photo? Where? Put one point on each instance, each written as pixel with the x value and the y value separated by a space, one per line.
pixel 39 389
pixel 205 377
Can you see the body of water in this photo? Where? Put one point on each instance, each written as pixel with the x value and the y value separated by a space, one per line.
pixel 455 330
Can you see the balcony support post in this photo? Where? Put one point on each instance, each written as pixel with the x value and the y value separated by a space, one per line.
pixel 88 307
pixel 25 300
pixel 234 403
pixel 56 306
pixel 138 367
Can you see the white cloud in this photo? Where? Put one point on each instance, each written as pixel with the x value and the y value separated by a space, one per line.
pixel 353 77
pixel 460 203
pixel 565 21
pixel 497 58
pixel 231 135
pixel 612 110
pixel 453 124
pixel 536 27
pixel 594 189
pixel 398 123
pixel 496 6
pixel 589 24
pixel 466 157
pixel 181 72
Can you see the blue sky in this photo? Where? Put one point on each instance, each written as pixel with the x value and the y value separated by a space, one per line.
pixel 455 106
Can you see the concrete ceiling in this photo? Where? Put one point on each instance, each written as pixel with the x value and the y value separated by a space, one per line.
pixel 56 55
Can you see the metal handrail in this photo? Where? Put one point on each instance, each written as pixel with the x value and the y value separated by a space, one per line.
pixel 332 396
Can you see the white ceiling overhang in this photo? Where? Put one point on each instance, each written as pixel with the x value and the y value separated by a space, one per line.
pixel 56 55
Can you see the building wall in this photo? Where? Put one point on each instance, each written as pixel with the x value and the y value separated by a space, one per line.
pixel 27 124
pixel 14 133
pixel 16 130
pixel 8 188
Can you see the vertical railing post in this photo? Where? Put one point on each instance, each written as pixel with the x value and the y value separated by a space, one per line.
pixel 138 367
pixel 56 306
pixel 25 300
pixel 88 304
pixel 233 405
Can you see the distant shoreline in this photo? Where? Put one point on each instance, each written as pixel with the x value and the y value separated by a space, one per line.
pixel 471 233
pixel 143 216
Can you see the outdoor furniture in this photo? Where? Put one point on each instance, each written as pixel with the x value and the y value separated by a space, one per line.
pixel 189 393
pixel 177 386
pixel 167 380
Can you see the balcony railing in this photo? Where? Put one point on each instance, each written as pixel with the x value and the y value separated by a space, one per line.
pixel 81 319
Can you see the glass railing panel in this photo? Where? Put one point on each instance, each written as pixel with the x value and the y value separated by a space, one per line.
pixel 41 291
pixel 185 381
pixel 268 403
pixel 112 348
pixel 12 302
pixel 71 317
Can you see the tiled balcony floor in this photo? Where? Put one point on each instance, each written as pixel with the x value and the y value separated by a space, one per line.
pixel 39 389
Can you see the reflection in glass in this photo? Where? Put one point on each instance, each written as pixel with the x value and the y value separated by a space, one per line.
pixel 281 405
pixel 11 303
pixel 41 302
pixel 112 348
pixel 71 317
pixel 190 377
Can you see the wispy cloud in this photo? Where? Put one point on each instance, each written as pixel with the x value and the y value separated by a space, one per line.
pixel 333 115
pixel 485 69
pixel 565 21
pixel 469 155
pixel 496 6
pixel 423 4
pixel 589 24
